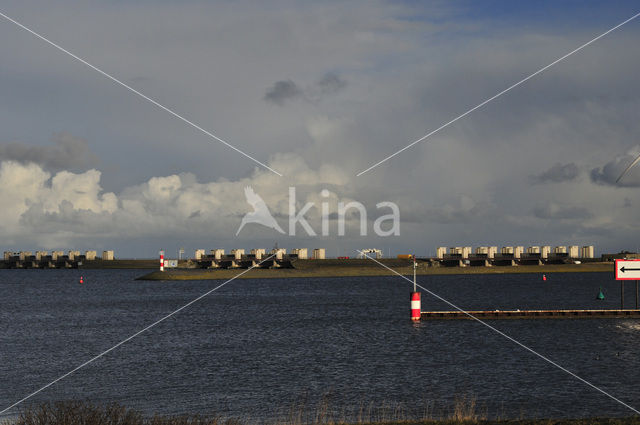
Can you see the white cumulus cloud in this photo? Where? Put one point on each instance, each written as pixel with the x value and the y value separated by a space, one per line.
pixel 66 207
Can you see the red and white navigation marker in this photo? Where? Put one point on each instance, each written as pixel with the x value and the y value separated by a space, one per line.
pixel 415 306
pixel 161 261
pixel 415 296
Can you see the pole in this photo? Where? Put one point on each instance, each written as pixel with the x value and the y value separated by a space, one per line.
pixel 415 265
pixel 622 295
pixel 636 294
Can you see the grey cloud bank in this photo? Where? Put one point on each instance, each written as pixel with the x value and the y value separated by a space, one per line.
pixel 68 152
pixel 323 91
pixel 557 174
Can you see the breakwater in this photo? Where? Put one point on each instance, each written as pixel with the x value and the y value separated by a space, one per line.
pixel 83 264
pixel 356 267
pixel 533 314
pixel 189 270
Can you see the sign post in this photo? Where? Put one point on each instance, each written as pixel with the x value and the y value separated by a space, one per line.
pixel 627 270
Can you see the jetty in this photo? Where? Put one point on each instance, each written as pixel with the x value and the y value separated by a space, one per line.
pixel 531 314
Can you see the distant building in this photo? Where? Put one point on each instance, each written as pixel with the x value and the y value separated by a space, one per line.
pixel 258 253
pixel 319 254
pixel 542 252
pixel 302 253
pixel 545 251
pixel 279 253
pixel 487 251
pixel 574 251
pixel 518 251
pixel 533 250
pixel 460 251
pixel 560 250
pixel 588 251
pixel 455 250
pixel 217 253
pixel 107 255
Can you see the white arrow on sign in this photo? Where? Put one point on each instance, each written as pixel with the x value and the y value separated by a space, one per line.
pixel 628 269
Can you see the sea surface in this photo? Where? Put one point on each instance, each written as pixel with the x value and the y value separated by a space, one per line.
pixel 260 349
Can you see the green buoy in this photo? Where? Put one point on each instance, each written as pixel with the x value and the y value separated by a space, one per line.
pixel 600 295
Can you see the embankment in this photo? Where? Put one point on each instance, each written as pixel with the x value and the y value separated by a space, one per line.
pixel 119 264
pixel 355 268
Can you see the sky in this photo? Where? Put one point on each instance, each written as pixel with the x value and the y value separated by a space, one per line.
pixel 318 92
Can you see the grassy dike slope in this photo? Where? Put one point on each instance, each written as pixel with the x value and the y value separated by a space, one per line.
pixel 355 268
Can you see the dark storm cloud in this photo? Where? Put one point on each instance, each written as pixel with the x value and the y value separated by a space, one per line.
pixel 331 83
pixel 557 174
pixel 556 211
pixel 68 152
pixel 609 173
pixel 283 91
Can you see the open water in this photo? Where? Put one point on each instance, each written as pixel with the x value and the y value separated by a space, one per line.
pixel 255 348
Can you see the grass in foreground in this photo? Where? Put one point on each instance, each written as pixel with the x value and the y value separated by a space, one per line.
pixel 463 412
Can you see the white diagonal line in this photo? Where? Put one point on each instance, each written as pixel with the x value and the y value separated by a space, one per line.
pixel 635 161
pixel 114 79
pixel 132 336
pixel 499 94
pixel 504 335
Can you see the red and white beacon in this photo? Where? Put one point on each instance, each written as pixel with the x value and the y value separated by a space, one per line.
pixel 415 296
